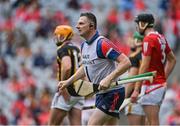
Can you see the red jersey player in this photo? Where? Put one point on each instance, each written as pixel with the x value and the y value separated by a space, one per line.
pixel 156 56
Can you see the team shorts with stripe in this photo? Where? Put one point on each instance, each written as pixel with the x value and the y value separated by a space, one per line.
pixel 134 108
pixel 74 102
pixel 153 98
pixel 110 101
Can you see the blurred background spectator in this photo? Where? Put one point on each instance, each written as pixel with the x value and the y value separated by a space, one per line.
pixel 27 51
pixel 3 69
pixel 3 118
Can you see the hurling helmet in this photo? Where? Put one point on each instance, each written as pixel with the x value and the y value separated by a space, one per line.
pixel 145 17
pixel 63 33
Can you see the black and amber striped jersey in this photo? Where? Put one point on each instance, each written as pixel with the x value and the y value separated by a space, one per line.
pixel 136 58
pixel 73 52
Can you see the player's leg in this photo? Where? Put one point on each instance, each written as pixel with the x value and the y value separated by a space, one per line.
pixel 56 116
pixel 152 113
pixel 59 109
pixel 74 116
pixel 130 87
pixel 98 118
pixel 135 114
pixel 136 119
pixel 151 103
pixel 111 121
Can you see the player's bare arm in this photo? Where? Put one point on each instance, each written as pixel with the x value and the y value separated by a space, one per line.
pixel 130 87
pixel 123 66
pixel 66 66
pixel 78 75
pixel 170 63
pixel 143 68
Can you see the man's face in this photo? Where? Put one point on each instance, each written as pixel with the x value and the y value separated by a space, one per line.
pixel 83 26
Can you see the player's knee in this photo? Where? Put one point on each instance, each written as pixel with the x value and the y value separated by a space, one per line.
pixel 54 121
pixel 154 121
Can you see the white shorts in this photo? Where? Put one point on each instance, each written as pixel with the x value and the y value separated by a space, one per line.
pixel 135 109
pixel 74 102
pixel 153 98
pixel 87 113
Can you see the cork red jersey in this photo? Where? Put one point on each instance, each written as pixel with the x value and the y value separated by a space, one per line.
pixel 156 46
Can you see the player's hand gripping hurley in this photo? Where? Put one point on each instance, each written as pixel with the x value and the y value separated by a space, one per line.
pixel 86 89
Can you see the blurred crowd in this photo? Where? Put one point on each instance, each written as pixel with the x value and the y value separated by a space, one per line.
pixel 28 56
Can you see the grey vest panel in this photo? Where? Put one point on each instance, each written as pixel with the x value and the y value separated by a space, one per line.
pixel 95 68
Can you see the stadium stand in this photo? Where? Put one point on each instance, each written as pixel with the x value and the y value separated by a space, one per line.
pixel 27 56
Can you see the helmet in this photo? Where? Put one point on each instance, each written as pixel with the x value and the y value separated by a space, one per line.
pixel 145 17
pixel 63 33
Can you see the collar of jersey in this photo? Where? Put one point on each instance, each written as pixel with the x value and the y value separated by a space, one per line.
pixel 64 44
pixel 152 32
pixel 93 38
